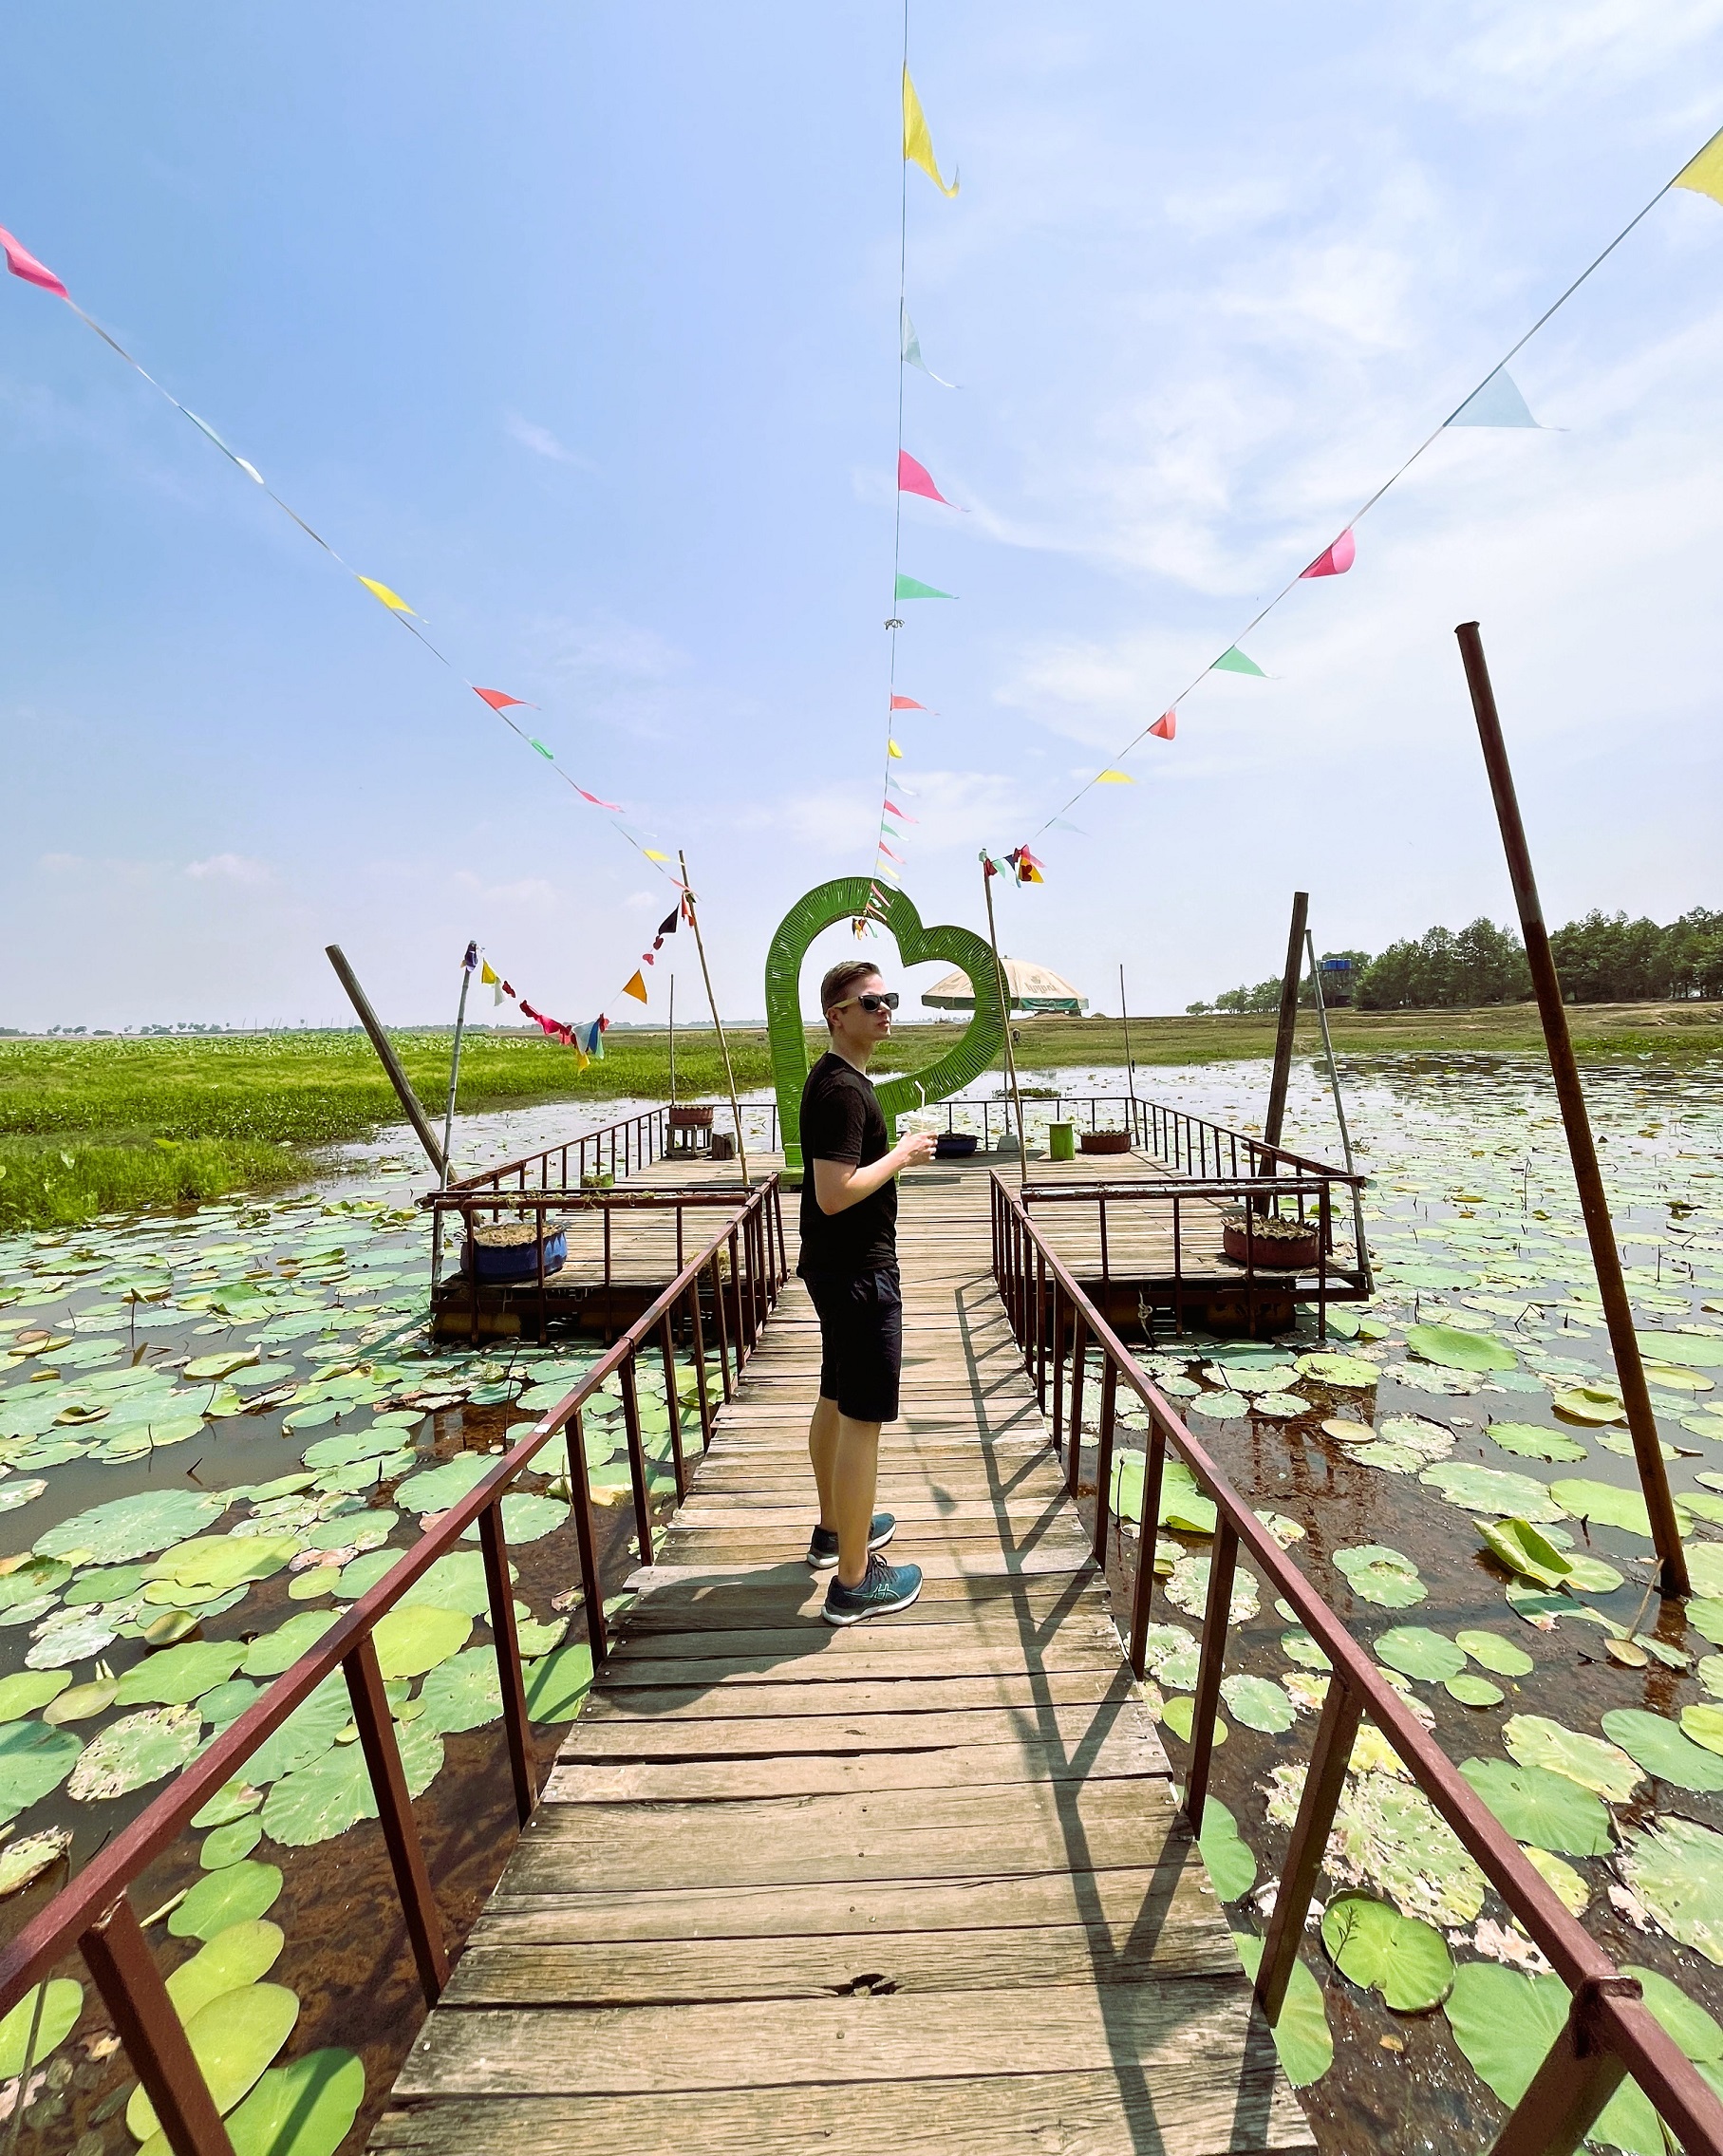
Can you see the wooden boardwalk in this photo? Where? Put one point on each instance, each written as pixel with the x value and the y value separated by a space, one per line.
pixel 917 1885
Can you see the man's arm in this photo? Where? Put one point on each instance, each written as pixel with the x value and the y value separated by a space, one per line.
pixel 841 1184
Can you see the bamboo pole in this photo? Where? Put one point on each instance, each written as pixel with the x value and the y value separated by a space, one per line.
pixel 461 1021
pixel 1361 1246
pixel 988 872
pixel 385 1055
pixel 1594 1202
pixel 672 1040
pixel 742 1148
pixel 1290 978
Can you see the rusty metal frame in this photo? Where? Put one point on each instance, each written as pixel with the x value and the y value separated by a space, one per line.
pixel 1609 2033
pixel 92 1915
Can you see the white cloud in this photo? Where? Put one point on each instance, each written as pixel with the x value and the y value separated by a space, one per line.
pixel 542 443
pixel 229 868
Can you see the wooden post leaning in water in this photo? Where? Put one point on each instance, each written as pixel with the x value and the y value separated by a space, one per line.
pixel 742 1148
pixel 386 1055
pixel 1593 1204
pixel 1290 982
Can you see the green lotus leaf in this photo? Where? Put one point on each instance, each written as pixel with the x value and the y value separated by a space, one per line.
pixel 1178 1715
pixel 1231 1866
pixel 1347 1372
pixel 232 1801
pixel 233 2038
pixel 1491 1652
pixel 1505 2023
pixel 1302 2036
pixel 26 1689
pixel 214 1565
pixel 306 2107
pixel 557 1684
pixel 1378 1949
pixel 413 1639
pixel 1604 1769
pixel 1603 1504
pixel 1451 1349
pixel 1258 1703
pixel 1414 1650
pixel 62 2003
pixel 134 1751
pixel 32 1579
pixel 1371 1554
pixel 363 1574
pixel 1492 1490
pixel 218 1366
pixel 1703 1722
pixel 128 1528
pixel 1300 1647
pixel 273 1652
pixel 1675 1868
pixel 1178 1673
pixel 1658 1746
pixel 1389 1837
pixel 461 1694
pixel 1560 1876
pixel 226 1844
pixel 309 1729
pixel 535 1639
pixel 527 1518
pixel 352 1530
pixel 1685 2020
pixel 237 1956
pixel 1382 1576
pixel 439 1488
pixel 1187 1589
pixel 1705 1570
pixel 320 1800
pixel 82 1702
pixel 456 1582
pixel 107 1582
pixel 1472 1690
pixel 231 1896
pixel 1532 1441
pixel 1538 1806
pixel 1689 1350
pixel 1526 1553
pixel 29 1857
pixel 177 1676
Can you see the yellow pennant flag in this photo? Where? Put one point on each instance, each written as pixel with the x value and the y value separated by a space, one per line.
pixel 393 600
pixel 635 987
pixel 918 143
pixel 652 856
pixel 1705 174
pixel 1114 779
pixel 893 749
pixel 584 1062
pixel 488 974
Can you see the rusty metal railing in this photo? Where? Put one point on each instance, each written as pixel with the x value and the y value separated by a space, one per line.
pixel 619 1149
pixel 740 1272
pixel 1609 2033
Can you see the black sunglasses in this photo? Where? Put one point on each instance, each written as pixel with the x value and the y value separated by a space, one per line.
pixel 871 1002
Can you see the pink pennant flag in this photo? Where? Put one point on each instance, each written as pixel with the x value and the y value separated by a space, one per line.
pixel 615 806
pixel 1166 726
pixel 1335 560
pixel 892 810
pixel 499 701
pixel 906 703
pixel 916 478
pixel 887 852
pixel 22 263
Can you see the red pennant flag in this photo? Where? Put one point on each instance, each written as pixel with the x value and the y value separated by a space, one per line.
pixel 604 1024
pixel 615 806
pixel 22 263
pixel 1335 560
pixel 916 478
pixel 906 703
pixel 892 809
pixel 509 991
pixel 1166 726
pixel 499 701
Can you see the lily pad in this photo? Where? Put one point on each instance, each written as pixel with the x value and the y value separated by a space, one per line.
pixel 1258 1704
pixel 1527 1554
pixel 1491 1652
pixel 1451 1349
pixel 1532 1441
pixel 1675 1868
pixel 231 1896
pixel 439 1488
pixel 413 1639
pixel 26 1689
pixel 1704 1722
pixel 1492 1490
pixel 82 1702
pixel 1388 1836
pixel 1534 1740
pixel 1472 1690
pixel 1302 2036
pixel 1604 1504
pixel 1231 1866
pixel 232 1801
pixel 132 1752
pixel 208 1565
pixel 1659 1747
pixel 1381 1575
pixel 455 1581
pixel 1179 1713
pixel 527 1518
pixel 179 1674
pixel 1414 1650
pixel 237 1956
pixel 34 1758
pixel 62 2003
pixel 309 1729
pixel 1689 1350
pixel 557 1684
pixel 130 1527
pixel 306 2107
pixel 272 1653
pixel 463 1692
pixel 1187 1589
pixel 1346 1373
pixel 1378 1949
pixel 30 1856
pixel 320 1800
pixel 232 2039
pixel 1558 1874
pixel 1505 2023
pixel 1538 1806
pixel 226 1844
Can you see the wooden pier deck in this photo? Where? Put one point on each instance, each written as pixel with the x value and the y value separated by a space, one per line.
pixel 916 1886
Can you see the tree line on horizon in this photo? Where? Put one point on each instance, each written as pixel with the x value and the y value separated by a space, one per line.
pixel 1604 959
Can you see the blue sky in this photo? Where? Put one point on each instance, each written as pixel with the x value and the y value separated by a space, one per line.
pixel 578 327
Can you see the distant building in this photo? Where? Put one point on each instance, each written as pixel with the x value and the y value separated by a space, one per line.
pixel 1337 979
pixel 1031 988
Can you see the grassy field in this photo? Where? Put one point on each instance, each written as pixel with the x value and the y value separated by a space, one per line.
pixel 93 1126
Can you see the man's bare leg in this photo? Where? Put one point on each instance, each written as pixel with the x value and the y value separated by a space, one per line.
pixel 822 1450
pixel 854 1477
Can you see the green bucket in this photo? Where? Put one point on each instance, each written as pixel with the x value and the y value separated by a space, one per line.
pixel 1061 1141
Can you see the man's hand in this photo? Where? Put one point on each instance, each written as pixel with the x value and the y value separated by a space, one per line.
pixel 914 1151
pixel 837 1185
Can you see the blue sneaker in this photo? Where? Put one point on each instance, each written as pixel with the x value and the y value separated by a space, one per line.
pixel 881 1590
pixel 822 1549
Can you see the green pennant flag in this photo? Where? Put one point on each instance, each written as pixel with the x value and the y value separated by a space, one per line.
pixel 1234 662
pixel 909 587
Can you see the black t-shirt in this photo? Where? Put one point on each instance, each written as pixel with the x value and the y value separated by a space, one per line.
pixel 841 1119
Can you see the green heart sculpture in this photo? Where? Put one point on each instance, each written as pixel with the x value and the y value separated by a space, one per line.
pixel 846 899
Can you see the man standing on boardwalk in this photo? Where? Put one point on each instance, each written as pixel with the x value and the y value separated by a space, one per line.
pixel 848 1261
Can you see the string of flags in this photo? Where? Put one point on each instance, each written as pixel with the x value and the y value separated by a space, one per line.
pixel 586 1039
pixel 28 267
pixel 1496 402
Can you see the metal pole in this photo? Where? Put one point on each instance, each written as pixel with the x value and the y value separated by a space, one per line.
pixel 386 1055
pixel 1593 1204
pixel 1130 1066
pixel 1288 1021
pixel 1340 1114
pixel 467 965
pixel 672 1040
pixel 742 1148
pixel 988 871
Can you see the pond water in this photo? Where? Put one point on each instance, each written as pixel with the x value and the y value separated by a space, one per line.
pixel 176 1387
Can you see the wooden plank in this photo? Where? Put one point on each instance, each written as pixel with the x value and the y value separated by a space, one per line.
pixel 747 1697
pixel 989 1631
pixel 649 1736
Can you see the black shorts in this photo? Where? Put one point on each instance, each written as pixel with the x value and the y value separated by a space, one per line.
pixel 861 1341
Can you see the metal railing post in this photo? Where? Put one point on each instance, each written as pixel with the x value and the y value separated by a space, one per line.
pixel 580 1503
pixel 1335 1730
pixel 1577 2078
pixel 1074 1433
pixel 1103 1455
pixel 118 1957
pixel 637 1459
pixel 395 1815
pixel 1217 1619
pixel 507 1642
pixel 1148 1537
